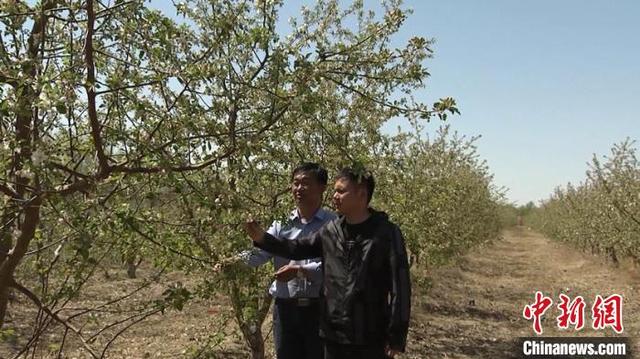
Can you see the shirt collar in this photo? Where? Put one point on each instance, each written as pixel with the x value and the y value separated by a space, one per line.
pixel 320 214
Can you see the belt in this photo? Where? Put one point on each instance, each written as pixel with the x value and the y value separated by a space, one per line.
pixel 298 302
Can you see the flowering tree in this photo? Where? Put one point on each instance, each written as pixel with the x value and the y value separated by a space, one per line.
pixel 127 135
pixel 602 214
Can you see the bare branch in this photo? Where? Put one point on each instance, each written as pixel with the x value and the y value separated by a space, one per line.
pixel 68 170
pixel 34 298
pixel 127 87
pixel 143 317
pixel 402 110
pixel 77 186
pixel 105 11
pixel 144 285
pixel 124 169
pixel 4 188
pixel 135 228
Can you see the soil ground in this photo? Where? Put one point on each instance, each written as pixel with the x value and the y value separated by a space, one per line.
pixel 473 308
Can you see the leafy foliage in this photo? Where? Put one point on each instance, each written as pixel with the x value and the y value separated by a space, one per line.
pixel 602 214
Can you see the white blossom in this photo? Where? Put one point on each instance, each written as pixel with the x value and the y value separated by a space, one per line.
pixel 38 157
pixel 56 253
pixel 44 100
pixel 25 173
pixel 16 234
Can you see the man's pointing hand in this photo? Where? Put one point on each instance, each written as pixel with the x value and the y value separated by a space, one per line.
pixel 254 230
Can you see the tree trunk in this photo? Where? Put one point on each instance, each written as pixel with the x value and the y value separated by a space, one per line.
pixel 256 343
pixel 10 263
pixel 131 269
pixel 251 331
pixel 613 256
pixel 4 301
pixel 26 132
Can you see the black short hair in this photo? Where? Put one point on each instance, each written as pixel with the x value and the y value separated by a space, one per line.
pixel 318 172
pixel 361 177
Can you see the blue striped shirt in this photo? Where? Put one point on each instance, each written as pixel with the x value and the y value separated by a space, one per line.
pixel 293 228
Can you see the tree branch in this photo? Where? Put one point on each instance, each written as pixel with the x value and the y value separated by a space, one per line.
pixel 103 12
pixel 68 170
pixel 127 87
pixel 4 188
pixel 91 94
pixel 185 168
pixel 402 110
pixel 34 298
pixel 138 320
pixel 135 228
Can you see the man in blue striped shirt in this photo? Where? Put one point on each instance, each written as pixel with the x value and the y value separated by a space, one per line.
pixel 298 283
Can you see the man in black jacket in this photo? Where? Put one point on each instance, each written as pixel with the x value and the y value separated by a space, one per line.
pixel 365 299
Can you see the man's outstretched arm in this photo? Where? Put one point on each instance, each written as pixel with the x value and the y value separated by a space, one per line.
pixel 299 248
pixel 253 257
pixel 256 257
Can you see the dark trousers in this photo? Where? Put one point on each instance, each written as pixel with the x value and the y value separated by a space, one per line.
pixel 296 330
pixel 334 350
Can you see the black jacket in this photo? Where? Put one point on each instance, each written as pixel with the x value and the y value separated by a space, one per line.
pixel 366 290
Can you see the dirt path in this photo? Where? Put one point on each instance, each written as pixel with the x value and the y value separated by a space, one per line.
pixel 474 308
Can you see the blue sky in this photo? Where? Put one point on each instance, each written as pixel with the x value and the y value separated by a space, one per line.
pixel 545 83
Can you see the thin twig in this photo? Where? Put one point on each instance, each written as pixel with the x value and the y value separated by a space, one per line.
pixel 34 298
